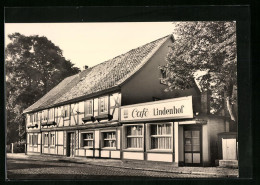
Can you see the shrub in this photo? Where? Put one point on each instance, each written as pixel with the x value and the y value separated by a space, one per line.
pixel 19 147
pixel 8 148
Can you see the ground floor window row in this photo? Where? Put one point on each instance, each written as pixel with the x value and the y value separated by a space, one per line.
pixel 157 139
pixel 158 136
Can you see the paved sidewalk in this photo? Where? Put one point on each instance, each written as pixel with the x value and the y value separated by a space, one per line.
pixel 217 172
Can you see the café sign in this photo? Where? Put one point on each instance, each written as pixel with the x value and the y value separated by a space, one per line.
pixel 176 108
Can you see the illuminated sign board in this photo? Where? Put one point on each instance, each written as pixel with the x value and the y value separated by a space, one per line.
pixel 176 108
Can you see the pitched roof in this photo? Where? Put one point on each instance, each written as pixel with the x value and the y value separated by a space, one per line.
pixel 101 77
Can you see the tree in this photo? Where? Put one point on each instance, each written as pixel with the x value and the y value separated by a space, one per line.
pixel 206 52
pixel 34 65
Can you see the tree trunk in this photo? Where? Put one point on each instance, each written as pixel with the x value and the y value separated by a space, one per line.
pixel 229 108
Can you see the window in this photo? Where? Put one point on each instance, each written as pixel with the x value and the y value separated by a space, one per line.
pixel 66 110
pixel 35 118
pixel 31 118
pixel 88 107
pixel 87 140
pixel 109 139
pixel 46 139
pixel 52 139
pixel 103 104
pixel 161 137
pixel 134 136
pixel 34 140
pixel 45 115
pixel 163 73
pixel 163 76
pixel 39 116
pixel 51 114
pixel 30 139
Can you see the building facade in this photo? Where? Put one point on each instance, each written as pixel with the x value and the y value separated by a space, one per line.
pixel 119 109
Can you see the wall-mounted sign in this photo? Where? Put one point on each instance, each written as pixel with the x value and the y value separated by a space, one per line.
pixel 176 108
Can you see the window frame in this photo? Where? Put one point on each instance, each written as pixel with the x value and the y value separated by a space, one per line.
pixel 124 146
pixel 30 140
pixel 39 116
pixel 108 139
pixel 34 139
pixel 52 139
pixel 66 108
pixel 31 118
pixel 35 117
pixel 51 114
pixel 163 75
pixel 46 144
pixel 150 136
pixel 86 107
pixel 45 115
pixel 106 105
pixel 82 139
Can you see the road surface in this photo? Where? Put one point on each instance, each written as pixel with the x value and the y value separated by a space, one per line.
pixel 32 169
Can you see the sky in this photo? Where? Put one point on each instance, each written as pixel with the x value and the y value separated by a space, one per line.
pixel 92 43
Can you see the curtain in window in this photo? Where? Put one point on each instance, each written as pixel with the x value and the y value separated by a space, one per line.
pixel 134 136
pixel 87 139
pixel 161 136
pixel 109 139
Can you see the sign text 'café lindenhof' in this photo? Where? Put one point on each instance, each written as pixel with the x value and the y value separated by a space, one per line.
pixel 177 108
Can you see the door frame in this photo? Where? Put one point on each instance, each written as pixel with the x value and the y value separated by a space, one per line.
pixel 68 154
pixel 192 128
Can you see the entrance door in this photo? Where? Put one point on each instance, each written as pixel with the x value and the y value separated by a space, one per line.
pixel 71 144
pixel 192 146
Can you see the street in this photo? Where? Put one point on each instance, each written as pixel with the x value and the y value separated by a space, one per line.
pixel 27 168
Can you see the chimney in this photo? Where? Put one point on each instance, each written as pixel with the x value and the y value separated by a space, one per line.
pixel 85 67
pixel 205 102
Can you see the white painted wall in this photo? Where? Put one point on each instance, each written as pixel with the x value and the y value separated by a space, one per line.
pixel 118 138
pixel 97 142
pixel 133 155
pixel 176 141
pixel 159 157
pixel 205 144
pixel 115 154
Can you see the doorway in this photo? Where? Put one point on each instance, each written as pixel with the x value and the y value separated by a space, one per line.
pixel 192 146
pixel 71 144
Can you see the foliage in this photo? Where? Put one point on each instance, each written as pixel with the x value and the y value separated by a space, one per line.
pixel 18 147
pixel 34 65
pixel 206 52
